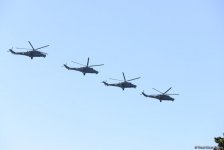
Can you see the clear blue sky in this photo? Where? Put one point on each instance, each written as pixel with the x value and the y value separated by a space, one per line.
pixel 168 43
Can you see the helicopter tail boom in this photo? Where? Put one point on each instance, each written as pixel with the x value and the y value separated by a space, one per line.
pixel 151 96
pixel 143 93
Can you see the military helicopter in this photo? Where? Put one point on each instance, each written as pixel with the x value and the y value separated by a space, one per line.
pixel 123 84
pixel 161 97
pixel 31 53
pixel 85 69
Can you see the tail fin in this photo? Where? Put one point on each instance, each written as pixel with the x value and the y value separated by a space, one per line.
pixel 144 94
pixel 67 67
pixel 10 50
pixel 105 83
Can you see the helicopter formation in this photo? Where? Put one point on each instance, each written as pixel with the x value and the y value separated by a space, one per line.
pixel 123 84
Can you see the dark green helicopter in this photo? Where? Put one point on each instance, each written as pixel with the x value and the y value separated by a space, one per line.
pixel 161 97
pixel 85 69
pixel 31 53
pixel 123 84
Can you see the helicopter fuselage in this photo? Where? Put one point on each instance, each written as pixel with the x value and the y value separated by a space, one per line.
pixel 162 97
pixel 85 70
pixel 35 54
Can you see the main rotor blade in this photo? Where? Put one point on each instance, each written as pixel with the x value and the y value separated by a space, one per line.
pixel 79 63
pixel 172 94
pixel 157 90
pixel 167 90
pixel 124 76
pixel 115 79
pixel 134 79
pixel 24 48
pixel 31 45
pixel 96 65
pixel 87 62
pixel 42 47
